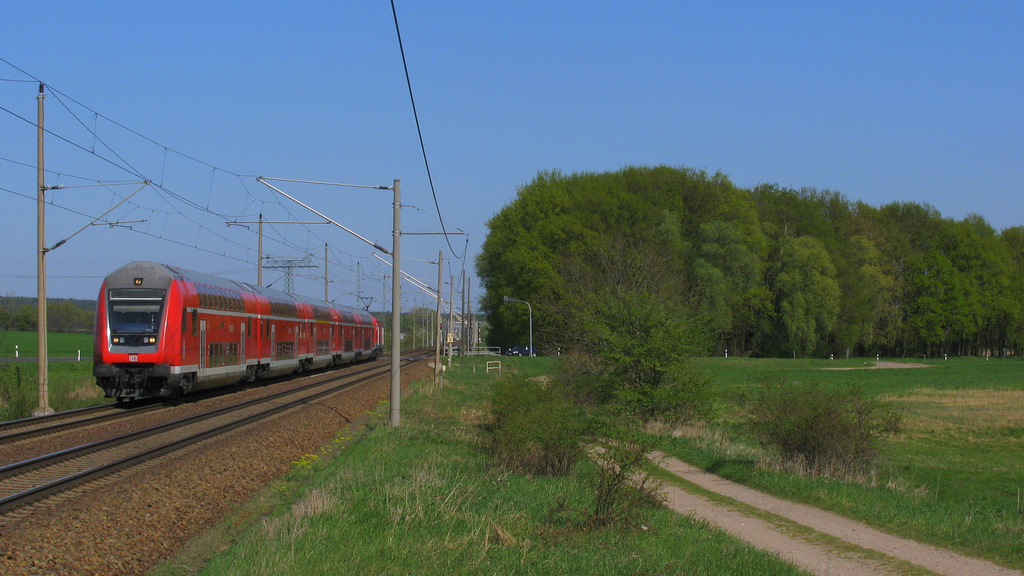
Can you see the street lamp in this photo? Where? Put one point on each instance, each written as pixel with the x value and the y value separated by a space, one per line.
pixel 530 308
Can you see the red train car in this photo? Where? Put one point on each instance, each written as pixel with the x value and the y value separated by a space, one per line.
pixel 163 331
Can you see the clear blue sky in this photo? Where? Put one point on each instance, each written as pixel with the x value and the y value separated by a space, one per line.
pixel 881 101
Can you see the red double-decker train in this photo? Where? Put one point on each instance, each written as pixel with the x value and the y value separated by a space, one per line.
pixel 164 331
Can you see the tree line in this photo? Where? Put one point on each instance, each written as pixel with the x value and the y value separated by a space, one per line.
pixel 62 314
pixel 768 271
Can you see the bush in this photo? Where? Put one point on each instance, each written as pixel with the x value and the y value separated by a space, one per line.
pixel 630 330
pixel 623 486
pixel 826 432
pixel 534 428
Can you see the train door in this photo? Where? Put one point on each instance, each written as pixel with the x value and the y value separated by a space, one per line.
pixel 241 344
pixel 202 349
pixel 273 342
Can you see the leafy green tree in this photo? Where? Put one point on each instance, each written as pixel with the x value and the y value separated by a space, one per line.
pixel 631 330
pixel 983 261
pixel 935 310
pixel 1012 241
pixel 727 277
pixel 25 318
pixel 558 214
pixel 771 269
pixel 806 294
pixel 62 316
pixel 867 301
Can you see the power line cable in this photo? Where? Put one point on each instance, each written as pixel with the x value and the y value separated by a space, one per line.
pixel 165 193
pixel 419 132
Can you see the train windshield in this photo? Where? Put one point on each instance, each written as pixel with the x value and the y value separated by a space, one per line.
pixel 135 310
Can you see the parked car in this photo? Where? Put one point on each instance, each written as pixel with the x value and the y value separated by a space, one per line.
pixel 521 350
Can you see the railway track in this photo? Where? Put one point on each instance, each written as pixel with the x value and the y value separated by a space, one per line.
pixel 15 430
pixel 32 482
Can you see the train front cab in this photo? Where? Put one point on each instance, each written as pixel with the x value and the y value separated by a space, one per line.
pixel 135 344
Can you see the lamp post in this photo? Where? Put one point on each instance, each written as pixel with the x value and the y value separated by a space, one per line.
pixel 530 309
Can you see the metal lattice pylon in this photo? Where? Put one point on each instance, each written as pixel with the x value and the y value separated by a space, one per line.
pixel 288 265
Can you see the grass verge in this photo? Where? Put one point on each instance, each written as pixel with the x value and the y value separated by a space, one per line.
pixel 71 385
pixel 424 498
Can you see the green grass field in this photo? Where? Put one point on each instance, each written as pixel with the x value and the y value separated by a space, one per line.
pixel 71 383
pixel 424 499
pixel 59 345
pixel 953 477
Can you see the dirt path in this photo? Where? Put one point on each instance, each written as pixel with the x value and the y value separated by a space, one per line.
pixel 882 366
pixel 820 542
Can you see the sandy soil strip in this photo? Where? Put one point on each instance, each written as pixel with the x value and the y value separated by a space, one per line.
pixel 883 365
pixel 811 554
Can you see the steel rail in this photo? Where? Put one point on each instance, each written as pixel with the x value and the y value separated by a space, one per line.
pixel 24 497
pixel 24 429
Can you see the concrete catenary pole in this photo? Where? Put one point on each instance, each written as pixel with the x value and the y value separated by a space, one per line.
pixel 43 355
pixel 451 319
pixel 396 310
pixel 437 324
pixel 259 257
pixel 462 333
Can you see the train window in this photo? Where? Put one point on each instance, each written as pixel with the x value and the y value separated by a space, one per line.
pixel 184 321
pixel 195 321
pixel 135 310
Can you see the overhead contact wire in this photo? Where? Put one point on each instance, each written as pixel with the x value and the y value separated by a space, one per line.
pixel 419 131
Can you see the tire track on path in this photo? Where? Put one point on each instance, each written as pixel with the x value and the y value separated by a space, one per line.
pixel 866 552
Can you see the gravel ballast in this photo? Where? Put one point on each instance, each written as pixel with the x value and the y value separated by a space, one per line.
pixel 137 518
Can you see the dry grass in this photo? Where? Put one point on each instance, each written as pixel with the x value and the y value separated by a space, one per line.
pixel 961 413
pixel 290 527
pixel 718 441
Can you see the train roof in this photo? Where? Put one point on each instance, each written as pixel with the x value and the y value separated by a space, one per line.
pixel 180 273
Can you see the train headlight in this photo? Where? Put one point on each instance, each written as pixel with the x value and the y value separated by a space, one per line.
pixel 150 339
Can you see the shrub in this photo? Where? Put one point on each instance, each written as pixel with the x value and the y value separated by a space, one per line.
pixel 623 486
pixel 833 432
pixel 630 329
pixel 534 428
